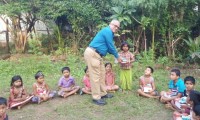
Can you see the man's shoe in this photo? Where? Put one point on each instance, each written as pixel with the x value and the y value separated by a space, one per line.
pixel 107 96
pixel 99 102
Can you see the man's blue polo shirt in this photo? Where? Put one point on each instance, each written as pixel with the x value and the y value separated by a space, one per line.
pixel 179 85
pixel 103 42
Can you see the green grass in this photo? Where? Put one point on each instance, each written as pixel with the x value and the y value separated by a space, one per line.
pixel 122 107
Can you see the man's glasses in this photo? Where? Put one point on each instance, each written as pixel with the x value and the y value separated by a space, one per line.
pixel 116 26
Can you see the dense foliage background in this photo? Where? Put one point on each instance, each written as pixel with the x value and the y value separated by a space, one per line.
pixel 165 28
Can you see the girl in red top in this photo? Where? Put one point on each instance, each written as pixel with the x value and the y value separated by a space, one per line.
pixel 18 95
pixel 110 78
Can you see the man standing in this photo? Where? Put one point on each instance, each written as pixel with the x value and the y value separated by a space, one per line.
pixel 101 44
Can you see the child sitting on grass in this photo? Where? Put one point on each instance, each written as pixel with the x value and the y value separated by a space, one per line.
pixel 176 88
pixel 18 95
pixel 147 85
pixel 3 107
pixel 179 104
pixel 110 78
pixel 86 81
pixel 66 84
pixel 194 101
pixel 41 90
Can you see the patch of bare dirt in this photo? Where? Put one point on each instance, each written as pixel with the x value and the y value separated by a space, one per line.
pixel 16 57
pixel 4 56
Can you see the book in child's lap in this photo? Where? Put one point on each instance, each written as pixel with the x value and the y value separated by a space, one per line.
pixel 147 89
pixel 178 104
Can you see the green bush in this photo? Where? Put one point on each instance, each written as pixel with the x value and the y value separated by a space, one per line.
pixel 194 50
pixel 163 60
pixel 34 46
pixel 146 58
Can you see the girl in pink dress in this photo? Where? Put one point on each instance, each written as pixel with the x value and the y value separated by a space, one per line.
pixel 86 81
pixel 18 95
pixel 110 78
pixel 41 89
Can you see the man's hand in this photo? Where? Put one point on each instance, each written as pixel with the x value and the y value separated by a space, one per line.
pixel 119 60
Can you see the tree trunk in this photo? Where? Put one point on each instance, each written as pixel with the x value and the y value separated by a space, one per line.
pixel 7 37
pixel 153 41
pixel 145 41
pixel 21 41
pixel 137 43
pixel 169 50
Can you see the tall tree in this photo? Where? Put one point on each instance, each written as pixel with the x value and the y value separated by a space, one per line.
pixel 23 15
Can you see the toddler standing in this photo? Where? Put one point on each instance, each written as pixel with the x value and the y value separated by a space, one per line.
pixel 126 67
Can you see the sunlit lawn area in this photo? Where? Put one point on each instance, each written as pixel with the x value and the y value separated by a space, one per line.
pixel 124 106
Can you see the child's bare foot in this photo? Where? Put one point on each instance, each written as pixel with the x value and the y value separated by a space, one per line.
pixel 156 97
pixel 39 101
pixel 65 96
pixel 161 99
pixel 169 106
pixel 111 91
pixel 125 92
pixel 18 107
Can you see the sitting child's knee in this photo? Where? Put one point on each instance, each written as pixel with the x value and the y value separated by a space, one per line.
pixel 162 93
pixel 139 90
pixel 76 88
pixel 45 98
pixel 117 87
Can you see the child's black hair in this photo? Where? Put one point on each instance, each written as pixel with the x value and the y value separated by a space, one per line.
pixel 65 68
pixel 3 101
pixel 124 43
pixel 86 68
pixel 150 69
pixel 39 74
pixel 195 97
pixel 108 63
pixel 15 78
pixel 177 71
pixel 197 110
pixel 189 78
